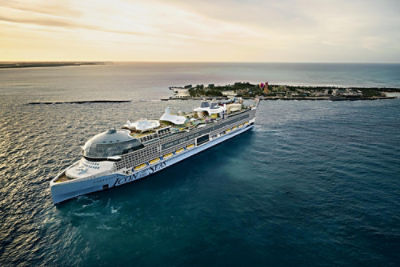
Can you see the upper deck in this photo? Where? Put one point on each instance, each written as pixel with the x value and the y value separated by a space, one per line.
pixel 193 120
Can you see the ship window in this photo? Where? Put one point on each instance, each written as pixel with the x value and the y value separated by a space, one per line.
pixel 203 139
pixel 204 104
pixel 108 150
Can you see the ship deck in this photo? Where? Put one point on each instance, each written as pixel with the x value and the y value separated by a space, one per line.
pixel 187 126
pixel 63 178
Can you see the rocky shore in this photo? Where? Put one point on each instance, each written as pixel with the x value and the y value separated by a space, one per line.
pixel 266 91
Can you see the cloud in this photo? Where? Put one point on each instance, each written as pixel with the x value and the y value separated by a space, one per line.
pixel 225 30
pixel 58 22
pixel 42 7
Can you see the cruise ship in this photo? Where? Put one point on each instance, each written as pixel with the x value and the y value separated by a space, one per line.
pixel 144 147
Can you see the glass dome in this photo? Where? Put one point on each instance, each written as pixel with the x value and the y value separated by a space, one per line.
pixel 205 104
pixel 109 144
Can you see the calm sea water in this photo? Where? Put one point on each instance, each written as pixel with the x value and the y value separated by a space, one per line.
pixel 315 183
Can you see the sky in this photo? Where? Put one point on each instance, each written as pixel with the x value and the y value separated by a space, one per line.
pixel 206 30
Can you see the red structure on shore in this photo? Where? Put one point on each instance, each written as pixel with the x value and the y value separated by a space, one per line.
pixel 266 91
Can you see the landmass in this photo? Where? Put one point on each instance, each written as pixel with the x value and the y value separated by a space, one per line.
pixel 8 65
pixel 79 102
pixel 267 91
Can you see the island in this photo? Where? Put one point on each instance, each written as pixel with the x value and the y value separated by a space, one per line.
pixel 8 65
pixel 79 102
pixel 266 91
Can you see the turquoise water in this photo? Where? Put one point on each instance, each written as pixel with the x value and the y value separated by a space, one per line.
pixel 315 182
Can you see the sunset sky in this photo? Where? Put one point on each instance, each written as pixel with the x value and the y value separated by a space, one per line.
pixel 188 30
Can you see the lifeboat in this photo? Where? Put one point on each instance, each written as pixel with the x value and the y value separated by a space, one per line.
pixel 167 155
pixel 141 166
pixel 190 146
pixel 154 161
pixel 179 151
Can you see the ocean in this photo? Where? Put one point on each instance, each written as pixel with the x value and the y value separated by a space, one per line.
pixel 315 183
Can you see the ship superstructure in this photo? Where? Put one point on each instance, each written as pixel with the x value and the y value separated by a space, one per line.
pixel 144 147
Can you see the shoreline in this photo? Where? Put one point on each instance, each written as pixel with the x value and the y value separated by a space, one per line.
pixel 267 91
pixel 79 102
pixel 329 98
pixel 264 98
pixel 18 65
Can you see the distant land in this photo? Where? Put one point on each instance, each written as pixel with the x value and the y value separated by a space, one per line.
pixel 80 102
pixel 9 65
pixel 284 92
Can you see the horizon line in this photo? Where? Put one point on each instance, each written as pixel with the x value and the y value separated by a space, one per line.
pixel 208 62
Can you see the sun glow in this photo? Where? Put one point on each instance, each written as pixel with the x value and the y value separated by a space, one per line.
pixel 191 31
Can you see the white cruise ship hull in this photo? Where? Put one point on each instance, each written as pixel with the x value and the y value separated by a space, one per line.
pixel 66 190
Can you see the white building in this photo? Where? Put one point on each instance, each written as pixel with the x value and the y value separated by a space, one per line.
pixel 229 93
pixel 181 93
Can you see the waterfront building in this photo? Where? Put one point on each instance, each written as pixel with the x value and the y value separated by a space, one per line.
pixel 229 93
